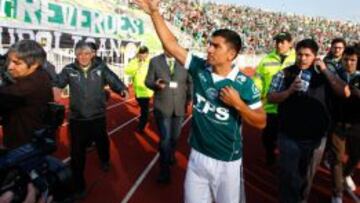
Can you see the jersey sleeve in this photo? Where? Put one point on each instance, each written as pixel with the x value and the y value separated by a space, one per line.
pixel 250 94
pixel 194 64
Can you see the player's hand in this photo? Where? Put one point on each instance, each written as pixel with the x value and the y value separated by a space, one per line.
pixel 148 6
pixel 230 96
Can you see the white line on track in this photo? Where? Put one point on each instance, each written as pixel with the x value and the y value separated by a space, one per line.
pixel 110 133
pixel 108 108
pixel 146 171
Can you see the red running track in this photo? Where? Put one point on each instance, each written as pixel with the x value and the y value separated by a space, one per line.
pixel 134 166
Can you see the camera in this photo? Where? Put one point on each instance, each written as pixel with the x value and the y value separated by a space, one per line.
pixel 32 162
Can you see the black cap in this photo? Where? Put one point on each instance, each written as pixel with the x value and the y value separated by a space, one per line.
pixel 282 36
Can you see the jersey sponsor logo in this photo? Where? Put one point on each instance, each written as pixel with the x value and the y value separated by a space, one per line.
pixel 206 107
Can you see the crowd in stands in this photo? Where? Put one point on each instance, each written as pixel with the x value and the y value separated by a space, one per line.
pixel 255 26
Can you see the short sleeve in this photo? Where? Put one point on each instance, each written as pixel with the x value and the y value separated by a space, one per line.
pixel 194 63
pixel 250 94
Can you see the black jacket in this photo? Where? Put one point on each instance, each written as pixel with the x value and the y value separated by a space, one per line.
pixel 87 94
pixel 169 101
pixel 305 115
pixel 22 105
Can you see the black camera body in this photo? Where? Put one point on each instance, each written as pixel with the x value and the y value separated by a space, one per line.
pixel 31 163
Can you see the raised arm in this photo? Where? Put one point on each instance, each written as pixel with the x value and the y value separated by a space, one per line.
pixel 167 39
pixel 339 86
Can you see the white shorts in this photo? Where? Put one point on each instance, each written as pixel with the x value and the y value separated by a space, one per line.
pixel 208 180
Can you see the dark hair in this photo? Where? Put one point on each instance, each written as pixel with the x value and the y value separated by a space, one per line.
pixel 143 50
pixel 353 50
pixel 338 40
pixel 29 51
pixel 308 43
pixel 230 37
pixel 93 46
pixel 82 44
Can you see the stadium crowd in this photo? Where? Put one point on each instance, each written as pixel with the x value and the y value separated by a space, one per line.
pixel 255 26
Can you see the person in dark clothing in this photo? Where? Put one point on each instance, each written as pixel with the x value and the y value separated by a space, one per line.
pixel 87 78
pixel 348 127
pixel 25 98
pixel 302 92
pixel 172 87
pixel 335 148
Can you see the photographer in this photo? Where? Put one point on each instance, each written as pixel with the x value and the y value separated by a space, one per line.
pixel 25 91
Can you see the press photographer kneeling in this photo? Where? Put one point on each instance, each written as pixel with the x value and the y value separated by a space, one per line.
pixel 29 121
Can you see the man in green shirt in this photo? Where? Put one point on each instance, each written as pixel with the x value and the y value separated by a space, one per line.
pixel 283 56
pixel 223 99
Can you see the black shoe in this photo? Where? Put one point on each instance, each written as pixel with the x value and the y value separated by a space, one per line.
pixel 164 176
pixel 105 166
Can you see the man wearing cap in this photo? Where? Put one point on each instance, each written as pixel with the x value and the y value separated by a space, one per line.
pixel 87 78
pixel 283 56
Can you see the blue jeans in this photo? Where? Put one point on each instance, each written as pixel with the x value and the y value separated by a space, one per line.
pixel 169 128
pixel 298 161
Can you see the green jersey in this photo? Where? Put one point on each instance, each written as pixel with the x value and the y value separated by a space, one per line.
pixel 216 128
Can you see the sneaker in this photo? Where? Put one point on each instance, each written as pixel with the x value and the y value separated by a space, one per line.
pixel 350 183
pixel 336 199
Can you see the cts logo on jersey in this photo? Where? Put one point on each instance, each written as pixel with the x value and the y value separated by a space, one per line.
pixel 204 106
pixel 212 93
pixel 241 79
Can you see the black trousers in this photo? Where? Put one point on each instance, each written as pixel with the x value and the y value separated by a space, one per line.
pixel 82 133
pixel 269 134
pixel 144 108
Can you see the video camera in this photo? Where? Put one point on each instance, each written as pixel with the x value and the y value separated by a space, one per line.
pixel 31 163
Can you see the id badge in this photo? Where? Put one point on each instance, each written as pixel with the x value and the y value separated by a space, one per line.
pixel 173 85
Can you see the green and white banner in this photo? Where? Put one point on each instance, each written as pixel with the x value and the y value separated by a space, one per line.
pixel 67 17
pixel 61 25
